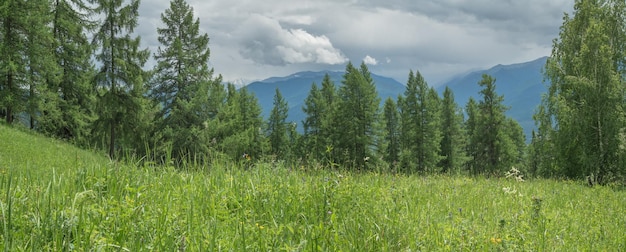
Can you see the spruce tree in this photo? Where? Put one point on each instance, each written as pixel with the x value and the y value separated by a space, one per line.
pixel 120 78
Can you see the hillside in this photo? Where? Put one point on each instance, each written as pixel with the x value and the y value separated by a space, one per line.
pixel 296 87
pixel 55 197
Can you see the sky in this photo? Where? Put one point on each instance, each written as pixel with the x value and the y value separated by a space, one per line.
pixel 254 40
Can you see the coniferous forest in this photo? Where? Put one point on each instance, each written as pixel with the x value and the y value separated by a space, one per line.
pixel 73 70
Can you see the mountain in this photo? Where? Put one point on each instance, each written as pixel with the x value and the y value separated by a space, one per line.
pixel 295 88
pixel 521 85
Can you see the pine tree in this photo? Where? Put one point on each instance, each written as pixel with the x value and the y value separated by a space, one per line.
pixel 120 79
pixel 584 106
pixel 453 136
pixel 183 81
pixel 357 113
pixel 277 127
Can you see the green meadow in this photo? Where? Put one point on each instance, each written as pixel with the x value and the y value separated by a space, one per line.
pixel 55 197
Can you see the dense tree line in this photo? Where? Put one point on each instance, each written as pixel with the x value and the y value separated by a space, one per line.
pixel 98 94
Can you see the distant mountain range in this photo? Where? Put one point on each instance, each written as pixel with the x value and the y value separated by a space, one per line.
pixel 295 88
pixel 520 84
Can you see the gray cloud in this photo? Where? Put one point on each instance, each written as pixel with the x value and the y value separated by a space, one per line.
pixel 440 38
pixel 265 41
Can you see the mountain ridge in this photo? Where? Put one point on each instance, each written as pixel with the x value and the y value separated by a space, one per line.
pixel 521 84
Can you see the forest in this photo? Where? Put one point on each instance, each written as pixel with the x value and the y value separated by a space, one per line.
pixel 73 70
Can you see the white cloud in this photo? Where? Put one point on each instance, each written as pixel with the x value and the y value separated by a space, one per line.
pixel 369 60
pixel 265 41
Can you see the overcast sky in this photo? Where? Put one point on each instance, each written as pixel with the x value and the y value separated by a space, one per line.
pixel 254 39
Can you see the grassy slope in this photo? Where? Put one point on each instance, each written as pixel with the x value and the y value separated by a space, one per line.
pixel 56 197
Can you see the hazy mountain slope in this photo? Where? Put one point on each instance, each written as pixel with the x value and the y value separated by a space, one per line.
pixel 296 87
pixel 521 85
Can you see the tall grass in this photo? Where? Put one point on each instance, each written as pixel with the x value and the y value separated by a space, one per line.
pixel 58 198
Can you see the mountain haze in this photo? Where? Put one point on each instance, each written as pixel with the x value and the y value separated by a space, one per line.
pixel 295 88
pixel 521 85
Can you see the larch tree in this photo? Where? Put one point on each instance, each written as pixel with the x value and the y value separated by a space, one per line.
pixel 312 124
pixel 391 119
pixel 238 127
pixel 40 61
pixel 71 112
pixel 277 127
pixel 357 113
pixel 420 120
pixel 120 79
pixel 453 139
pixel 183 85
pixel 496 138
pixel 13 63
pixel 584 106
pixel 471 129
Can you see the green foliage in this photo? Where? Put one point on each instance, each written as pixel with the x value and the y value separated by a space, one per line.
pixel 392 132
pixel 68 114
pixel 238 128
pixel 421 126
pixel 582 117
pixel 120 80
pixel 183 85
pixel 453 140
pixel 355 118
pixel 497 141
pixel 319 125
pixel 18 25
pixel 277 127
pixel 64 198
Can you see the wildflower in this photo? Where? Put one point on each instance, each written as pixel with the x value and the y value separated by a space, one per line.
pixel 246 156
pixel 496 240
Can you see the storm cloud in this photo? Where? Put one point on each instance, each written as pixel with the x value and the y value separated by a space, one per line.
pixel 253 40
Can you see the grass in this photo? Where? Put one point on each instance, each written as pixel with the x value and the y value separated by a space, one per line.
pixel 55 197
